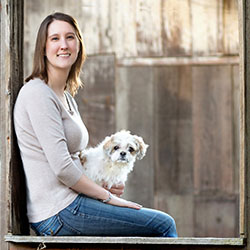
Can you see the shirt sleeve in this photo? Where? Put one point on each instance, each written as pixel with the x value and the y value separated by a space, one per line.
pixel 44 113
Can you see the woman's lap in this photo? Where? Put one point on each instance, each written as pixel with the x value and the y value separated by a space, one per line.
pixel 86 216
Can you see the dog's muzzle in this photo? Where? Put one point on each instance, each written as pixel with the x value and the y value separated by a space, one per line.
pixel 123 156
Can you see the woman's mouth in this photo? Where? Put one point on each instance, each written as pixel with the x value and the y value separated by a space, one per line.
pixel 64 55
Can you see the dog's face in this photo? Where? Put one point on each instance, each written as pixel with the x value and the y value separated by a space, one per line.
pixel 124 148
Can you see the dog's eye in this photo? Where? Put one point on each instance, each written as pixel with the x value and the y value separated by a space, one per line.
pixel 131 150
pixel 116 147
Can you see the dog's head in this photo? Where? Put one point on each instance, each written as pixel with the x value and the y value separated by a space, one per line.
pixel 124 148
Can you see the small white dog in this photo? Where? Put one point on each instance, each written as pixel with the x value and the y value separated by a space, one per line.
pixel 113 159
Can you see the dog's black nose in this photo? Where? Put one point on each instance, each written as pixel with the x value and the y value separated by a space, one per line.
pixel 123 153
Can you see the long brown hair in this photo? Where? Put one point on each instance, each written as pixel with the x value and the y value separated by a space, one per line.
pixel 39 61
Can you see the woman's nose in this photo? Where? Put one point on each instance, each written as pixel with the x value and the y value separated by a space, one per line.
pixel 64 44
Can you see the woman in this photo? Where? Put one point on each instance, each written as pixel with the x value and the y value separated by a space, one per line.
pixel 61 199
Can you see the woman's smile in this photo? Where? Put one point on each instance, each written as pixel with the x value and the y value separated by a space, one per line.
pixel 64 55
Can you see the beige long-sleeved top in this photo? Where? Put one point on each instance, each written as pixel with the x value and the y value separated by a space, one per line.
pixel 49 137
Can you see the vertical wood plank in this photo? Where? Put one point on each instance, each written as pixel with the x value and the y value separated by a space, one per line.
pixel 173 145
pixel 4 120
pixel 19 223
pixel 148 27
pixel 96 100
pixel 206 35
pixel 123 14
pixel 230 28
pixel 245 74
pixel 236 116
pixel 173 136
pixel 99 30
pixel 212 129
pixel 243 136
pixel 176 28
pixel 11 78
pixel 31 26
pixel 134 111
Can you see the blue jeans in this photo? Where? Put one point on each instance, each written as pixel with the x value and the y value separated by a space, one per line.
pixel 90 217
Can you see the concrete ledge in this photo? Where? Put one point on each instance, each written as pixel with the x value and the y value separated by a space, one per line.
pixel 125 240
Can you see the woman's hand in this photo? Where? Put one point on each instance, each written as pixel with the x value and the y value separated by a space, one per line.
pixel 116 192
pixel 116 201
pixel 117 189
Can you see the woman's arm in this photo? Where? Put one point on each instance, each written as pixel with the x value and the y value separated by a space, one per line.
pixel 91 189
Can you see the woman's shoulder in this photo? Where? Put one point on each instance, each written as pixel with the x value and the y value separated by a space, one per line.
pixel 35 88
pixel 36 93
pixel 34 84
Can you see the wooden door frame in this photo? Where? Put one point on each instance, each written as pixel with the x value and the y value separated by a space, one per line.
pixel 244 51
pixel 11 79
pixel 11 73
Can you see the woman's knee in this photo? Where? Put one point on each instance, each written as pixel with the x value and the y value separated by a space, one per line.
pixel 170 230
pixel 167 227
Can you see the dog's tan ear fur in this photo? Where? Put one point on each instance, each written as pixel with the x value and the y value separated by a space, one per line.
pixel 142 147
pixel 107 146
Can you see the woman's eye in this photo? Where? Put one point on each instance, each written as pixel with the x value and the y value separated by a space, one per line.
pixel 70 37
pixel 116 147
pixel 131 149
pixel 54 38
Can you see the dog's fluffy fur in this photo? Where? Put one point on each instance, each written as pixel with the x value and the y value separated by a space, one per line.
pixel 111 161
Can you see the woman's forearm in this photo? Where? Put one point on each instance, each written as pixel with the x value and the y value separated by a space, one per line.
pixel 90 188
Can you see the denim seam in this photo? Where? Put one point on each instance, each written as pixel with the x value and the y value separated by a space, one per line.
pixel 48 225
pixel 73 230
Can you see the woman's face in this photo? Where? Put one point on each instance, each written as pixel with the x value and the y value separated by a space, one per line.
pixel 62 45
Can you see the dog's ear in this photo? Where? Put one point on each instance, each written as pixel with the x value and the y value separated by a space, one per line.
pixel 108 143
pixel 142 147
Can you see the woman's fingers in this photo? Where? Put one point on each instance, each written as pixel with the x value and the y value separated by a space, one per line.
pixel 117 189
pixel 135 205
pixel 123 203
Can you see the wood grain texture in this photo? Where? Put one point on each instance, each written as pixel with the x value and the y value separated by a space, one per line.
pixel 13 203
pixel 206 35
pixel 173 130
pixel 212 129
pixel 134 111
pixel 96 100
pixel 144 28
pixel 245 64
pixel 176 28
pixel 215 216
pixel 230 37
pixel 242 158
pixel 4 122
pixel 19 220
